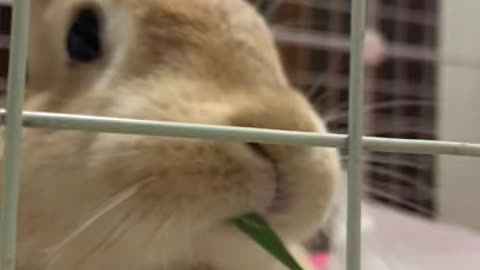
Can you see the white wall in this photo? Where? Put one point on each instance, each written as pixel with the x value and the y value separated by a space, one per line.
pixel 459 108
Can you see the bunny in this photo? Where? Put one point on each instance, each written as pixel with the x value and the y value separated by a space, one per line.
pixel 113 201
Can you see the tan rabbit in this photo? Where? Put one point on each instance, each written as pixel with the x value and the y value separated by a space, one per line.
pixel 104 201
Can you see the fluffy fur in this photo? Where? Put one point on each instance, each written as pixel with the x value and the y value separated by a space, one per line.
pixel 104 201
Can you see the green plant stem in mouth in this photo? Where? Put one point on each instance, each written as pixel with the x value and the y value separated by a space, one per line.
pixel 257 229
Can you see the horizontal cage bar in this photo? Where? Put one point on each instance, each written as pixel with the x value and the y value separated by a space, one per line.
pixel 224 133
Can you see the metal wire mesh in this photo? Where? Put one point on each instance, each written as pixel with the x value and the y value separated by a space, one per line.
pixel 354 142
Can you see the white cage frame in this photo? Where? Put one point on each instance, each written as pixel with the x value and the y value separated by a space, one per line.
pixel 15 119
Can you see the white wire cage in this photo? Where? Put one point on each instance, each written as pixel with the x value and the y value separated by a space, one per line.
pixel 15 119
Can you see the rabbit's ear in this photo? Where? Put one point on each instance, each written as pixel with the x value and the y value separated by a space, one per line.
pixel 375 48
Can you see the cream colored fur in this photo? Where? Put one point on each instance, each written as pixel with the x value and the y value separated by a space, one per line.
pixel 104 201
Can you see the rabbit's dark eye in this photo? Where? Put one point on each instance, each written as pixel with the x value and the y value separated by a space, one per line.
pixel 84 38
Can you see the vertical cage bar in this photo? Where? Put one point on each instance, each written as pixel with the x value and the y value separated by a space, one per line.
pixel 13 132
pixel 355 166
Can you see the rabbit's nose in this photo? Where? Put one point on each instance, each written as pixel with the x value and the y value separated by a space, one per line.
pixel 278 110
pixel 287 111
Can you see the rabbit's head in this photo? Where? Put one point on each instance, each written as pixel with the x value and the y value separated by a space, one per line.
pixel 112 201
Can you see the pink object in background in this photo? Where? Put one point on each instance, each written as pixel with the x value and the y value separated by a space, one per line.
pixel 375 48
pixel 320 260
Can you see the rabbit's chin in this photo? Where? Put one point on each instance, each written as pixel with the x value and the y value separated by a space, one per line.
pixel 295 208
pixel 290 219
pixel 224 246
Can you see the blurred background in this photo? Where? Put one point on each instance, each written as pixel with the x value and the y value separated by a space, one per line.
pixel 423 65
pixel 413 46
pixel 423 62
pixel 423 82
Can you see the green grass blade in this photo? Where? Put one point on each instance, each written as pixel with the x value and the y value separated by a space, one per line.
pixel 256 228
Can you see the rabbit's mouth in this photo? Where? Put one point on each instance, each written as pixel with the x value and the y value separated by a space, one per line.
pixel 280 201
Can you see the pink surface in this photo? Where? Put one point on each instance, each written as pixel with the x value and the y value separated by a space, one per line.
pixel 320 260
